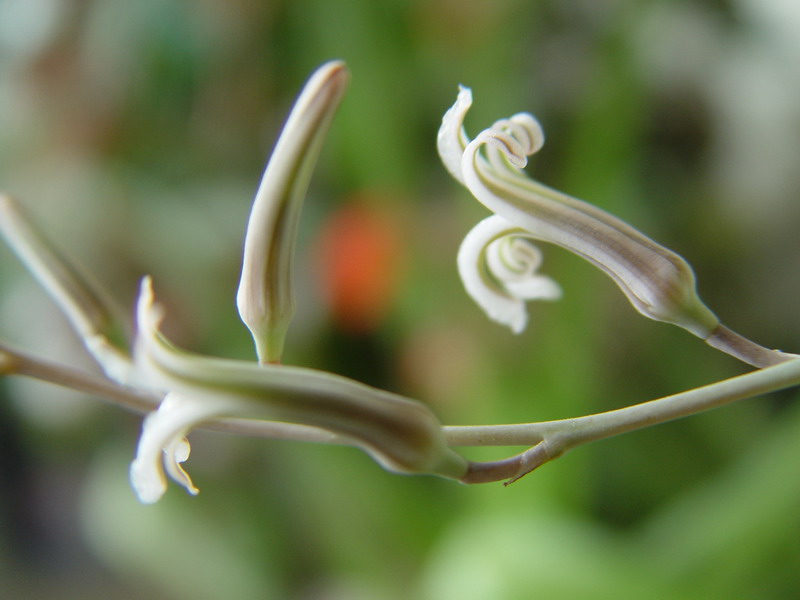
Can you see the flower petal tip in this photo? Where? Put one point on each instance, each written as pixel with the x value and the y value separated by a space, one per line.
pixel 514 316
pixel 148 313
pixel 148 481
pixel 452 139
pixel 174 454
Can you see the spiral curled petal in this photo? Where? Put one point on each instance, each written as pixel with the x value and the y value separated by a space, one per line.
pixel 498 267
pixel 163 445
pixel 517 138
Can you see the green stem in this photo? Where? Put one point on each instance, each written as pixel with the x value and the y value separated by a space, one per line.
pixel 551 439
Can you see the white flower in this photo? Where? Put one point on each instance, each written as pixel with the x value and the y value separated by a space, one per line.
pixel 658 282
pixel 401 434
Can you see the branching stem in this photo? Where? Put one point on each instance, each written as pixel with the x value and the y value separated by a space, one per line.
pixel 548 439
pixel 551 439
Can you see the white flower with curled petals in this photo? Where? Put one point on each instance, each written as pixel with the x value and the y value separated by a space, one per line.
pixel 163 444
pixel 497 265
pixel 657 282
pixel 400 434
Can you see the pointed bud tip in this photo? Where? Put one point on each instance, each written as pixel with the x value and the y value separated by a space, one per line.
pixel 334 74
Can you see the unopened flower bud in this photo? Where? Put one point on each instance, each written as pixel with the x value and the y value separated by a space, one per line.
pixel 266 296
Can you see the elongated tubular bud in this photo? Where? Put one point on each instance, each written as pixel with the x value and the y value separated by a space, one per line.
pixel 266 295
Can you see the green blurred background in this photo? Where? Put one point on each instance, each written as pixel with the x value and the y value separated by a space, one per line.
pixel 136 133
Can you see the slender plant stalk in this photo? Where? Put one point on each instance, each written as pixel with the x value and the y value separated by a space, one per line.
pixel 551 439
pixel 548 439
pixel 94 316
pixel 14 362
pixel 745 350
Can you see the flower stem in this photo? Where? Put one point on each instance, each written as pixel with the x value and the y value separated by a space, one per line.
pixel 14 362
pixel 551 439
pixel 548 439
pixel 90 310
pixel 745 350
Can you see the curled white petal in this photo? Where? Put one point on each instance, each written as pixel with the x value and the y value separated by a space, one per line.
pixel 175 454
pixel 452 138
pixel 511 141
pixel 525 129
pixel 498 268
pixel 162 445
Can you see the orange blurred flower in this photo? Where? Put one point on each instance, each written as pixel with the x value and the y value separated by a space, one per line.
pixel 358 256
